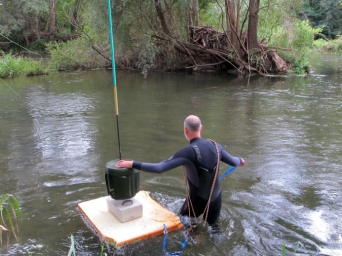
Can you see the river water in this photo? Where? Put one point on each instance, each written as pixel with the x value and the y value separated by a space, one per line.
pixel 58 132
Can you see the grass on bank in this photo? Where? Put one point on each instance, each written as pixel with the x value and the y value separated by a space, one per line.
pixel 11 66
pixel 327 46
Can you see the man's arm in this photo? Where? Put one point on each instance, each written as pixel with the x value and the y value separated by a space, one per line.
pixel 180 158
pixel 232 160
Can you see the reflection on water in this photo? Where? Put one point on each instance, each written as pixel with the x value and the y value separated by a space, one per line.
pixel 62 130
pixel 56 137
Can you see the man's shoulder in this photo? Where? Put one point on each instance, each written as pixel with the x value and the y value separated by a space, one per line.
pixel 186 152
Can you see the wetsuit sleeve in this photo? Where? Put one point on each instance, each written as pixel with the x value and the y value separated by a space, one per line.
pixel 180 158
pixel 231 160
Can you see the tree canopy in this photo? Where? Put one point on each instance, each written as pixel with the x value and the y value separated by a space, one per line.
pixel 326 14
pixel 238 35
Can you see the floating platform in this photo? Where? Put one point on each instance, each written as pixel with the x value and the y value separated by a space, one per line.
pixel 115 232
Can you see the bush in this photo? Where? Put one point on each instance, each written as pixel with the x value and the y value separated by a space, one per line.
pixel 300 65
pixel 38 45
pixel 147 54
pixel 298 37
pixel 328 46
pixel 11 66
pixel 304 35
pixel 75 54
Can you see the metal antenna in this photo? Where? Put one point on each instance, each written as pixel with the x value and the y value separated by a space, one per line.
pixel 114 73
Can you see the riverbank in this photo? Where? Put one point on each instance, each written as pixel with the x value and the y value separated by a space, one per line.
pixel 27 65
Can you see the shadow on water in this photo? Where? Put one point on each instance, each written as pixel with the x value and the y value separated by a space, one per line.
pixel 57 135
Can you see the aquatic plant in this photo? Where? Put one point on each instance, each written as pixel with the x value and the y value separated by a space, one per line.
pixel 72 247
pixel 298 245
pixel 10 216
pixel 72 251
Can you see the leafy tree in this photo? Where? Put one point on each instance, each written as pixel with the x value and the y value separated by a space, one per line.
pixel 180 32
pixel 275 14
pixel 12 20
pixel 326 14
pixel 27 21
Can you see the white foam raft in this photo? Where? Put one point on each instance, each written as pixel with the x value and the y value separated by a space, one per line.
pixel 118 233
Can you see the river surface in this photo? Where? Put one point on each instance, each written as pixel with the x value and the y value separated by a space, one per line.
pixel 58 132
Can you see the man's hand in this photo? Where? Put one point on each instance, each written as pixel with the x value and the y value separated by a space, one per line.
pixel 124 164
pixel 242 162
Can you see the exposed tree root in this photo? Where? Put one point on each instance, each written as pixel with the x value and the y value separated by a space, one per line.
pixel 209 49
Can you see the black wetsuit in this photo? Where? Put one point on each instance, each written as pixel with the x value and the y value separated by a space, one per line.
pixel 199 160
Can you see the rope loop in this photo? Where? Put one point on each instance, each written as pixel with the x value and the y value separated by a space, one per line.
pixel 165 241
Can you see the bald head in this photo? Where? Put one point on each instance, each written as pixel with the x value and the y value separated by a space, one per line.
pixel 192 127
pixel 193 123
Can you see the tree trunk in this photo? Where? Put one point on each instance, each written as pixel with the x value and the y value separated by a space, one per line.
pixel 253 24
pixel 37 27
pixel 161 15
pixel 232 29
pixel 74 16
pixel 47 26
pixel 194 13
pixel 4 12
pixel 52 17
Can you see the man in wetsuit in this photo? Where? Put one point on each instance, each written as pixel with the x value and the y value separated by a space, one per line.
pixel 199 160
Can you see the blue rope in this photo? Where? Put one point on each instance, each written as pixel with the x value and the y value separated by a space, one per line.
pixel 164 246
pixel 230 169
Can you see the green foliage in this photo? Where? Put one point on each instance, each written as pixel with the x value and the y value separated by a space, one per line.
pixel 62 57
pixel 76 54
pixel 11 66
pixel 10 215
pixel 257 60
pixel 276 14
pixel 91 49
pixel 147 54
pixel 298 245
pixel 298 37
pixel 102 251
pixel 304 35
pixel 328 46
pixel 301 65
pixel 326 14
pixel 14 18
pixel 38 45
pixel 18 14
pixel 72 250
pixel 211 15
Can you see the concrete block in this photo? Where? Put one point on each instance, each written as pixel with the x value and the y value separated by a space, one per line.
pixel 125 210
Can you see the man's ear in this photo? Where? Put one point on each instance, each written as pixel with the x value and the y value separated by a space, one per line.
pixel 201 128
pixel 186 130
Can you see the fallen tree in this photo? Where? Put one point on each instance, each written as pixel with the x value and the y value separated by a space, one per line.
pixel 208 50
pixel 233 49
